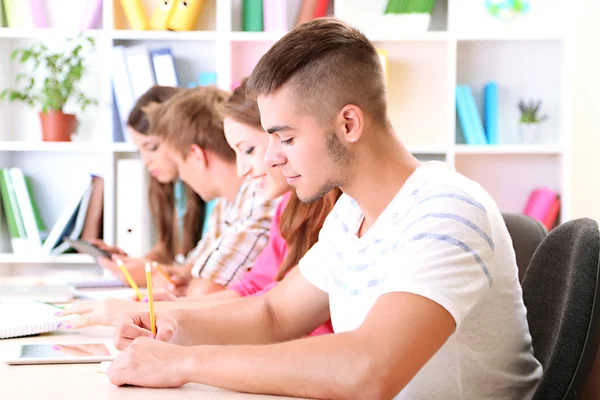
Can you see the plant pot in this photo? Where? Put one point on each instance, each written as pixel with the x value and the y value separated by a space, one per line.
pixel 530 132
pixel 57 126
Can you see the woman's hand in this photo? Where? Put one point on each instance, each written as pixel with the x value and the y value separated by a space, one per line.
pixel 109 249
pixel 108 312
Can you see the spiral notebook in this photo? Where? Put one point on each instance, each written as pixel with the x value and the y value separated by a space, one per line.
pixel 27 318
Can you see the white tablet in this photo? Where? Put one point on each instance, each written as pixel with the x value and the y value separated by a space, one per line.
pixel 73 353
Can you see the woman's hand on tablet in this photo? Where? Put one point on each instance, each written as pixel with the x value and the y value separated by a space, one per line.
pixel 109 249
pixel 108 312
pixel 149 363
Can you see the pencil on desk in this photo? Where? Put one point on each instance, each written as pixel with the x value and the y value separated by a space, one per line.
pixel 130 280
pixel 150 298
pixel 163 272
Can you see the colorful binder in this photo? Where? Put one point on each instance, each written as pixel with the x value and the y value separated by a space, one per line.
pixel 275 16
pixel 252 15
pixel 92 15
pixel 490 112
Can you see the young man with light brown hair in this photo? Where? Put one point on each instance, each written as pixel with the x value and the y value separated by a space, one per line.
pixel 414 265
pixel 191 129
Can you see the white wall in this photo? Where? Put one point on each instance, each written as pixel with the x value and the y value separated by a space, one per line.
pixel 585 165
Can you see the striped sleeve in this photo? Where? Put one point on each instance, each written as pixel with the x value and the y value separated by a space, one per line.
pixel 445 252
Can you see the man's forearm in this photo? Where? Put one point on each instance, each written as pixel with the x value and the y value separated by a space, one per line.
pixel 245 320
pixel 330 366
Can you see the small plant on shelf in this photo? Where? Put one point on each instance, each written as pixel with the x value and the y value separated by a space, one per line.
pixel 530 120
pixel 52 81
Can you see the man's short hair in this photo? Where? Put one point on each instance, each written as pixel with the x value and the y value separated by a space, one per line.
pixel 191 117
pixel 327 64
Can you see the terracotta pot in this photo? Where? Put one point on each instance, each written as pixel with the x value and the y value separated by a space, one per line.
pixel 57 126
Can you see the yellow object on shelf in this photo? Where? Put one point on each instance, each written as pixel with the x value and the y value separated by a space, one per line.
pixel 186 15
pixel 176 15
pixel 162 14
pixel 134 11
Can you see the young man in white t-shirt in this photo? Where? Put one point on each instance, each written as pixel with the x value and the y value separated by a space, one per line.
pixel 414 265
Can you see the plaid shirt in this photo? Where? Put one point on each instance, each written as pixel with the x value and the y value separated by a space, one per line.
pixel 237 233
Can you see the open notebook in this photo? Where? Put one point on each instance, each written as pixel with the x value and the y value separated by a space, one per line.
pixel 26 318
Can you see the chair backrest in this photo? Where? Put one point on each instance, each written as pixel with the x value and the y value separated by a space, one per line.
pixel 526 233
pixel 561 292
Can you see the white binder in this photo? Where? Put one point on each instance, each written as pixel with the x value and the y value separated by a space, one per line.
pixel 134 222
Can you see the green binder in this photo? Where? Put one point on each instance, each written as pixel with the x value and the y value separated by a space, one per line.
pixel 252 15
pixel 2 16
pixel 16 229
pixel 36 211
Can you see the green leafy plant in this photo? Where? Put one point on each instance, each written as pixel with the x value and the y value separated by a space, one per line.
pixel 529 112
pixel 53 78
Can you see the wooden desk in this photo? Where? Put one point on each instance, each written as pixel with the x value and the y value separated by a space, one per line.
pixel 82 381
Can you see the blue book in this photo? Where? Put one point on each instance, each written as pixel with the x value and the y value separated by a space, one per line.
pixel 462 110
pixel 490 112
pixel 476 123
pixel 163 64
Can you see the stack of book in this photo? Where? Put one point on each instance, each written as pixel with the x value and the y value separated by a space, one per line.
pixel 478 131
pixel 81 217
pixel 272 15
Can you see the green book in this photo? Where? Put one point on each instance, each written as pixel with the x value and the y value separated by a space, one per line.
pixel 36 211
pixel 16 230
pixel 252 15
pixel 13 12
pixel 2 16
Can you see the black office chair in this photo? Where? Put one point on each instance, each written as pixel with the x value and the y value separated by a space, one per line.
pixel 526 233
pixel 561 292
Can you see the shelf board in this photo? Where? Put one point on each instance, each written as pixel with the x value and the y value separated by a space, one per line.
pixel 124 147
pixel 130 34
pixel 38 33
pixel 75 147
pixel 509 149
pixel 9 258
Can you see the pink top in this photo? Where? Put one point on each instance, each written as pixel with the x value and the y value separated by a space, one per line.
pixel 261 278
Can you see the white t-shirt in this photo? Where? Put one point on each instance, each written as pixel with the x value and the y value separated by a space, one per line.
pixel 441 237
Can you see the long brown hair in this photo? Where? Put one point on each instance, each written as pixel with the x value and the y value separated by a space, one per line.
pixel 300 223
pixel 161 196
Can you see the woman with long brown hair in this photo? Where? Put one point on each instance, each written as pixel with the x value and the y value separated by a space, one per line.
pixel 178 213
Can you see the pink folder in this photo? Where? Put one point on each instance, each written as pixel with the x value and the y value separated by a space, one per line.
pixel 539 203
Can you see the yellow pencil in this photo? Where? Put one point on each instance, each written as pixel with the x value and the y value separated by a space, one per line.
pixel 130 280
pixel 163 272
pixel 150 298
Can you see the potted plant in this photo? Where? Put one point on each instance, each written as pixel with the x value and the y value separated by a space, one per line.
pixel 51 81
pixel 530 122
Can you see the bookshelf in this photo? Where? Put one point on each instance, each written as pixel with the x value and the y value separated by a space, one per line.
pixel 526 59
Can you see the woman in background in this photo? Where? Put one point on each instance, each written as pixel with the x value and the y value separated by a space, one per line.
pixel 178 213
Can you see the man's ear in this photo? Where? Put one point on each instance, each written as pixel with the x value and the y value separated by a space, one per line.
pixel 350 123
pixel 199 155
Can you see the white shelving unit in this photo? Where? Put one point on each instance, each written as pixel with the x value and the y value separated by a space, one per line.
pixel 424 69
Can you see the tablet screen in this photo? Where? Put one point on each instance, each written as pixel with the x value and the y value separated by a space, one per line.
pixel 59 353
pixel 64 351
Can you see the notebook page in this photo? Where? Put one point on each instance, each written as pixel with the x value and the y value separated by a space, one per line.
pixel 27 318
